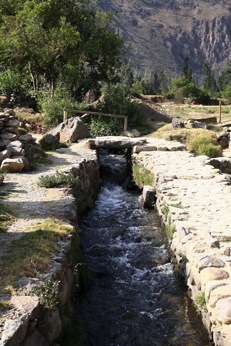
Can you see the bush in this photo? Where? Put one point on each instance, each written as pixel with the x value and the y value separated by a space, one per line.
pixel 105 126
pixel 205 145
pixel 117 100
pixel 11 83
pixel 52 106
pixel 58 179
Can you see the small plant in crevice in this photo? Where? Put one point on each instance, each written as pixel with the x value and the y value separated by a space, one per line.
pixel 165 211
pixel 169 228
pixel 200 302
pixel 48 293
pixel 58 179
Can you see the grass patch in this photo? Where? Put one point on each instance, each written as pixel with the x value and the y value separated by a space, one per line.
pixel 205 144
pixel 199 141
pixel 58 179
pixel 6 218
pixel 5 305
pixel 6 193
pixel 31 254
pixel 165 211
pixel 200 301
pixel 142 176
pixel 169 229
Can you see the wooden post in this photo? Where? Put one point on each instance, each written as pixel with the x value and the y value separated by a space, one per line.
pixel 64 115
pixel 125 124
pixel 219 112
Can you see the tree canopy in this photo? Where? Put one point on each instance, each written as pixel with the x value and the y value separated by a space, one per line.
pixel 51 41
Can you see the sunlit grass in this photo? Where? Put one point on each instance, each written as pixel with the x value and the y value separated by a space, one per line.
pixel 32 252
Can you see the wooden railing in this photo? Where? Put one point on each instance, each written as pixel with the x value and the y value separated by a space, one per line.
pixel 66 110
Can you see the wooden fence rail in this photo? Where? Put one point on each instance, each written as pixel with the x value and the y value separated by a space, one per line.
pixel 66 110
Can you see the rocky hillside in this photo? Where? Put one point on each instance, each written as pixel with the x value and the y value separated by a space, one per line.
pixel 162 33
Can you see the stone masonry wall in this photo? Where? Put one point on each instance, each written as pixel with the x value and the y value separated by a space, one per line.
pixel 29 324
pixel 193 200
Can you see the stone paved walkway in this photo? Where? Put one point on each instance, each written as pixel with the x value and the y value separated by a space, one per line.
pixel 198 198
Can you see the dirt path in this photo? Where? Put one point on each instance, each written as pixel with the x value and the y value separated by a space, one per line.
pixel 31 203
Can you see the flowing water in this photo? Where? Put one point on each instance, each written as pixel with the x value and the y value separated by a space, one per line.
pixel 135 298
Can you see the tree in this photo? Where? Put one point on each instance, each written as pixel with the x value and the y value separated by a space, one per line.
pixel 209 82
pixel 58 41
pixel 187 71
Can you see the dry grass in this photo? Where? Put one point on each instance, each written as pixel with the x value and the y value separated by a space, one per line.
pixel 187 111
pixel 32 252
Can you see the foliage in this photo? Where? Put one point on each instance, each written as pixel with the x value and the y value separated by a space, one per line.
pixel 5 305
pixel 186 87
pixel 6 218
pixel 11 83
pixel 165 211
pixel 105 126
pixel 52 105
pixel 117 100
pixel 169 228
pixel 205 145
pixel 142 176
pixel 55 41
pixel 200 301
pixel 32 252
pixel 227 93
pixel 48 293
pixel 58 179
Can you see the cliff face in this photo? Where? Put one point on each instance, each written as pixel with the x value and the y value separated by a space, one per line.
pixel 162 33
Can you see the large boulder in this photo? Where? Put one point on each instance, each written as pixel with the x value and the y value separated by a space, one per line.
pixel 16 164
pixel 70 131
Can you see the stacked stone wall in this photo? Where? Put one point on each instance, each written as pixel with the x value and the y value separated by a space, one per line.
pixel 193 201
pixel 29 323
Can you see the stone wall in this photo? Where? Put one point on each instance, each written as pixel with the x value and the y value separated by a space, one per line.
pixel 29 323
pixel 193 201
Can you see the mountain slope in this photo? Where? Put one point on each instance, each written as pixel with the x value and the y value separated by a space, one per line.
pixel 162 33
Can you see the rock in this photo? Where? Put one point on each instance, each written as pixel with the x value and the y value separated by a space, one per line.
pixel 209 274
pixel 14 332
pixel 49 141
pixel 71 131
pixel 3 100
pixel 12 122
pixel 36 339
pixel 199 125
pixel 9 136
pixel 26 138
pixel 148 196
pixel 5 154
pixel 210 262
pixel 222 310
pixel 27 305
pixel 224 139
pixel 177 123
pixel 17 164
pixel 220 292
pixel 134 133
pixel 50 326
pixel 1 179
pixel 15 149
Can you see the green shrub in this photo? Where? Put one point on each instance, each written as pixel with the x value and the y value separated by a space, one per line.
pixel 52 106
pixel 105 126
pixel 117 100
pixel 57 179
pixel 11 83
pixel 48 293
pixel 205 145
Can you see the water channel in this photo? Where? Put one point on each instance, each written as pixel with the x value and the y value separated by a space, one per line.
pixel 136 298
